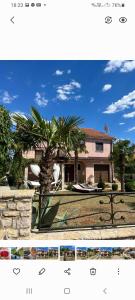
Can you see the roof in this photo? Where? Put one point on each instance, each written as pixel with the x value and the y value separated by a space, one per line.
pixel 92 133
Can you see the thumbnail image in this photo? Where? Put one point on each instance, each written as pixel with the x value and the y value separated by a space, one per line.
pixel 5 253
pixel 68 147
pixel 29 253
pixel 17 253
pixel 67 253
pixel 41 252
pixel 53 253
pixel 81 253
pixel 105 253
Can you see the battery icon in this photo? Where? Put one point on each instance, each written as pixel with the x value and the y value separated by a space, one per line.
pixel 38 4
pixel 27 4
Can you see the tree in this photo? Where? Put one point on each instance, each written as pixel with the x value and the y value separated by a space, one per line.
pixel 5 141
pixel 53 136
pixel 17 169
pixel 123 152
pixel 78 147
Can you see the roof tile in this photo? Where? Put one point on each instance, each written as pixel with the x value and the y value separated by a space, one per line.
pixel 90 132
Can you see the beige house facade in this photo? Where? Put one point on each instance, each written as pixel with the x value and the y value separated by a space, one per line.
pixel 92 165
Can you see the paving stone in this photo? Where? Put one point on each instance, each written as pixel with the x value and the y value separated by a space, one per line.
pixel 12 233
pixel 12 205
pixel 23 206
pixel 24 232
pixel 3 205
pixel 23 222
pixel 11 213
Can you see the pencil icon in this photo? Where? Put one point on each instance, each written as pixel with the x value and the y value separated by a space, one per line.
pixel 42 271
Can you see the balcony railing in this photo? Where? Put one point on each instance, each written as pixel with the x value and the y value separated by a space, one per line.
pixel 64 211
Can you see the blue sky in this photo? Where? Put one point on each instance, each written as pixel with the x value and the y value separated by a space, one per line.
pixel 101 92
pixel 67 247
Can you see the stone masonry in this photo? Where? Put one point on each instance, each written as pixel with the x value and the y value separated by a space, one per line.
pixel 16 213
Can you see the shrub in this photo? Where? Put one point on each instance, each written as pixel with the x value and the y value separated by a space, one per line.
pixel 70 186
pixel 128 177
pixel 130 186
pixel 114 186
pixel 101 183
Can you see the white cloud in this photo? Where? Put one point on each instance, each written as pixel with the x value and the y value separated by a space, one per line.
pixel 10 76
pixel 40 99
pixel 69 71
pixel 106 87
pixel 128 66
pixel 43 85
pixel 66 91
pixel 121 123
pixel 7 98
pixel 78 97
pixel 131 129
pixel 125 102
pixel 18 113
pixel 124 66
pixel 92 99
pixel 129 115
pixel 59 72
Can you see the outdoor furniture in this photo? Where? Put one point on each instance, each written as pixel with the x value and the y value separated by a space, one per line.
pixel 32 184
pixel 88 186
pixel 57 184
pixel 36 184
pixel 81 188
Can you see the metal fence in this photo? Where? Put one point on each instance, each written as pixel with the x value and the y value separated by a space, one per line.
pixel 63 211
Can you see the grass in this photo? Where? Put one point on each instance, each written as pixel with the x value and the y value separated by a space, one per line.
pixel 87 210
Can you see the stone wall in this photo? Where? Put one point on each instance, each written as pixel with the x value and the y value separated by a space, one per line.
pixel 16 213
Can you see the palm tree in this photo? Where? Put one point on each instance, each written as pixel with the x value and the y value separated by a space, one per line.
pixel 78 147
pixel 54 135
pixel 123 152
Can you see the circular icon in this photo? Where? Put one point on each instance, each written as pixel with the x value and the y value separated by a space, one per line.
pixel 108 20
pixel 123 20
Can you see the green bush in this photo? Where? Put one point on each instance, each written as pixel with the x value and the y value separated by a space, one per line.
pixel 101 183
pixel 114 186
pixel 128 177
pixel 130 186
pixel 70 186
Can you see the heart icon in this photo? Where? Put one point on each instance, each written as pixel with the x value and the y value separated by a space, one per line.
pixel 16 271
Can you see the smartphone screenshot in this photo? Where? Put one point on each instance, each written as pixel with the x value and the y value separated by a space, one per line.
pixel 67 149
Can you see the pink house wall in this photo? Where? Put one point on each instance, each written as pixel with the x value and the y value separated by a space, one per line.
pixel 91 149
pixel 29 154
pixel 92 153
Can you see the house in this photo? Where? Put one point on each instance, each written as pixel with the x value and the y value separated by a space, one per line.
pixel 92 164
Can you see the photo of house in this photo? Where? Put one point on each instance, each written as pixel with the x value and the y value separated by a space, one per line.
pixel 81 253
pixel 53 253
pixel 92 164
pixel 105 253
pixel 67 161
pixel 67 253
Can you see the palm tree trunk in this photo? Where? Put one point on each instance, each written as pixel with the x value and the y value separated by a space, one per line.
pixel 76 166
pixel 46 170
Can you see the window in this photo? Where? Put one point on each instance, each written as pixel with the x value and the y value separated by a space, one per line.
pixel 99 147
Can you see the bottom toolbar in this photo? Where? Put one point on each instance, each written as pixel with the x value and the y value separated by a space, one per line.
pixel 95 279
